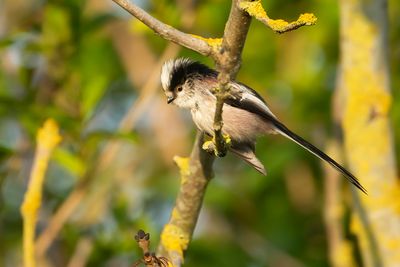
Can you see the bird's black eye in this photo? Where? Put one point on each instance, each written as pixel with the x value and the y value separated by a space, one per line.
pixel 179 89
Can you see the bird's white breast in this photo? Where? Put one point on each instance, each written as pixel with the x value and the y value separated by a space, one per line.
pixel 203 119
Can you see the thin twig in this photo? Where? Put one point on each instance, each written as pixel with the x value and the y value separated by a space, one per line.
pixel 165 31
pixel 82 253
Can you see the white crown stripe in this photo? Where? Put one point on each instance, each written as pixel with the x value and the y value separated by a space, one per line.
pixel 168 69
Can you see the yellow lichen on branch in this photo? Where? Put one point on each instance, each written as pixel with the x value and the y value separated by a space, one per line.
pixel 175 240
pixel 47 139
pixel 195 172
pixel 184 167
pixel 212 42
pixel 256 10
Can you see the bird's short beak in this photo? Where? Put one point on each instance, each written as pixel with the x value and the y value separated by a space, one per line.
pixel 170 98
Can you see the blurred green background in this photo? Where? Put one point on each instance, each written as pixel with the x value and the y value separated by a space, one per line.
pixel 86 64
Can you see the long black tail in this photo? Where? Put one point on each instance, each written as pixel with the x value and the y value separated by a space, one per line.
pixel 283 130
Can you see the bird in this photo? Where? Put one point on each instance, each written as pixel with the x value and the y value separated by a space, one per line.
pixel 246 116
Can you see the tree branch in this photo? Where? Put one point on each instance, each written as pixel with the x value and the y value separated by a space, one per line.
pixel 165 31
pixel 196 172
pixel 228 62
pixel 256 10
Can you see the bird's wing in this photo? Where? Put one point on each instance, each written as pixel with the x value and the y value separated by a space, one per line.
pixel 246 152
pixel 245 98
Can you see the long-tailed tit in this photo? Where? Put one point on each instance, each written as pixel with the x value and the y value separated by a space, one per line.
pixel 190 84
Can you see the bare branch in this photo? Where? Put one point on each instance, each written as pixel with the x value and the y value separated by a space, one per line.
pixel 165 31
pixel 256 10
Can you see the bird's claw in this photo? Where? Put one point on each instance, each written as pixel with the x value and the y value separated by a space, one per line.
pixel 211 147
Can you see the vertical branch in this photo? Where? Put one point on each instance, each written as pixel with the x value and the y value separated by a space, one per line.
pixel 228 60
pixel 196 172
pixel 47 139
pixel 368 135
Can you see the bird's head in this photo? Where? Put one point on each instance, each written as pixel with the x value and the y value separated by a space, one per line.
pixel 181 78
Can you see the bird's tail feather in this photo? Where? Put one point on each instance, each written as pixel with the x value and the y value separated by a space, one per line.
pixel 283 130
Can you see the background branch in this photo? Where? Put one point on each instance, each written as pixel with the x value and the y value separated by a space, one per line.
pixel 47 138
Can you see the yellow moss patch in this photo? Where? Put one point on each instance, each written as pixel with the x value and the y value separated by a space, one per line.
pixel 228 140
pixel 183 164
pixel 307 19
pixel 210 146
pixel 254 9
pixel 174 239
pixel 213 42
pixel 278 24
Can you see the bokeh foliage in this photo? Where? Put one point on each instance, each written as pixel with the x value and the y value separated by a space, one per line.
pixel 65 60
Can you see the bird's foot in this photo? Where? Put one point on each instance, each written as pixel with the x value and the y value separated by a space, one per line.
pixel 211 146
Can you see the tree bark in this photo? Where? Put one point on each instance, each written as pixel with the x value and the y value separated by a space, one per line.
pixel 367 131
